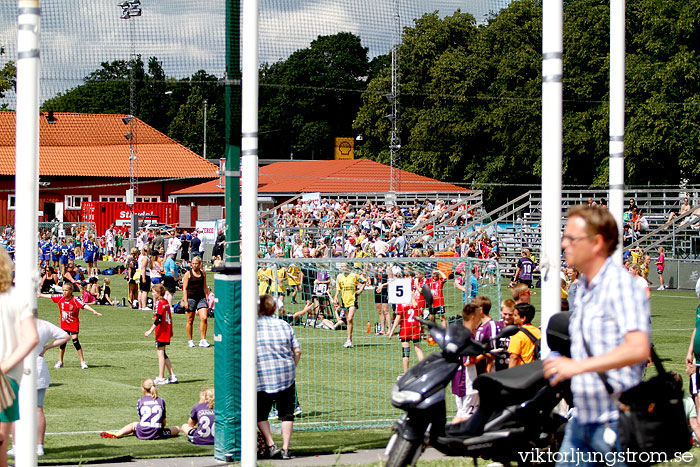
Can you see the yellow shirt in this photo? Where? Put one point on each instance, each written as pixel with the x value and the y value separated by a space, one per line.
pixel 522 345
pixel 263 281
pixel 281 276
pixel 347 284
pixel 635 256
pixel 293 275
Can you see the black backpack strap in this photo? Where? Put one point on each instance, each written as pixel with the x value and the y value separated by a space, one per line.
pixel 530 335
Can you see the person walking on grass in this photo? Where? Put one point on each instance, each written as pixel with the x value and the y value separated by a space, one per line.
pixel 152 421
pixel 351 285
pixel 69 307
pixel 194 296
pixel 163 327
pixel 660 264
pixel 278 354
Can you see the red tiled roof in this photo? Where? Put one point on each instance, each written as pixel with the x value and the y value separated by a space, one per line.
pixel 94 145
pixel 342 176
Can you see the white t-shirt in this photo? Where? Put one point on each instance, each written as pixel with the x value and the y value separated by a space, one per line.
pixel 173 245
pixel 47 332
pixel 13 309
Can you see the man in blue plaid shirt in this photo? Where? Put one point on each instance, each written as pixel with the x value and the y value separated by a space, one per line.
pixel 610 317
pixel 278 354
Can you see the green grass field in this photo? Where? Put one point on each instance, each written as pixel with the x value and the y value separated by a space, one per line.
pixel 338 388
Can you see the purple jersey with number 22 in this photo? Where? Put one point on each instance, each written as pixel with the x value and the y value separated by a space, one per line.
pixel 151 417
pixel 204 416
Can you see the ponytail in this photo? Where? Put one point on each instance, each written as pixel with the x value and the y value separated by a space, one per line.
pixel 149 388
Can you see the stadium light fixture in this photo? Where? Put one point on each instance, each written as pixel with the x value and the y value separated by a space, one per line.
pixel 50 118
pixel 126 120
pixel 128 136
pixel 130 8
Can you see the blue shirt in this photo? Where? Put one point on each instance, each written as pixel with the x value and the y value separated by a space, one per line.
pixel 474 285
pixel 275 350
pixel 605 310
pixel 170 267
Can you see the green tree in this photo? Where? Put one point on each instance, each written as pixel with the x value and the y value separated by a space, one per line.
pixel 312 97
pixel 8 77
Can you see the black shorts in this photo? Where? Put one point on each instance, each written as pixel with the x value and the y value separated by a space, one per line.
pixel 381 297
pixel 409 339
pixel 161 344
pixel 145 285
pixel 170 284
pixel 659 271
pixel 437 310
pixel 72 333
pixel 527 282
pixel 306 290
pixel 285 400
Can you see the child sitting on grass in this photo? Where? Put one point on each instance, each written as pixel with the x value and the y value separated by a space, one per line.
pixel 200 427
pixel 151 410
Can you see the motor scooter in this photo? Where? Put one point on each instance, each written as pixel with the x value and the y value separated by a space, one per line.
pixel 516 413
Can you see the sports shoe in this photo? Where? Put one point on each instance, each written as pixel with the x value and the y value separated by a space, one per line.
pixel 297 410
pixel 204 344
pixel 39 450
pixel 348 344
pixel 58 365
pixel 160 381
pixel 107 434
pixel 661 287
pixel 11 452
pixel 285 454
pixel 273 415
pixel 83 365
pixel 273 451
pixel 172 379
pixel 190 343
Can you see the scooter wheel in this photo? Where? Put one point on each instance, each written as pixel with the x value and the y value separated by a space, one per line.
pixel 403 453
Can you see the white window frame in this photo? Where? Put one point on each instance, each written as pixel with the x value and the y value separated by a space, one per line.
pixel 148 199
pixel 71 201
pixel 10 202
pixel 113 198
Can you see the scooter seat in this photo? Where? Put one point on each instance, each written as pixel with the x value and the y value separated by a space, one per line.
pixel 517 382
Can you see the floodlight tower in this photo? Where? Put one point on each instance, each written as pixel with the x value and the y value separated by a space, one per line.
pixel 395 139
pixel 131 9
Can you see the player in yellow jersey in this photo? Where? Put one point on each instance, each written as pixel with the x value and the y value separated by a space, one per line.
pixel 294 281
pixel 264 279
pixel 351 285
pixel 281 288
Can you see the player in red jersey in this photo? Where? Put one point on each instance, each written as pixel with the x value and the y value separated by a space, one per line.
pixel 436 282
pixel 417 284
pixel 163 327
pixel 69 307
pixel 410 331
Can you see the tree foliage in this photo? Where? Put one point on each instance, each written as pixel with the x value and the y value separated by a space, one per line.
pixel 312 97
pixel 470 97
pixel 8 77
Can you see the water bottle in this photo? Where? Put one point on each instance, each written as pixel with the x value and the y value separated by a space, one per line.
pixel 377 328
pixel 368 327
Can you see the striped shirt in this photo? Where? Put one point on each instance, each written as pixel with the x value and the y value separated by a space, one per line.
pixel 275 350
pixel 605 310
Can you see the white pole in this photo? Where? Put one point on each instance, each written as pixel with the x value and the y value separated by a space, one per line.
pixel 26 209
pixel 552 71
pixel 617 117
pixel 249 233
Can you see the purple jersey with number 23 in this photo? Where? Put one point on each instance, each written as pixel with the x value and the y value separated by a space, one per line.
pixel 151 417
pixel 204 432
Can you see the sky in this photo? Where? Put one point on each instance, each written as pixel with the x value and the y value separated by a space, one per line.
pixel 78 35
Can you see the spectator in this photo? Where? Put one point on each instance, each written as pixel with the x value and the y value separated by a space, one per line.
pixel 660 264
pixel 196 243
pixel 131 265
pixel 522 345
pixel 49 280
pixel 520 293
pixel 466 397
pixel 144 278
pixel 572 274
pixel 17 339
pixel 486 331
pixel 194 296
pixel 278 353
pixel 685 207
pixel 609 333
pixel 507 312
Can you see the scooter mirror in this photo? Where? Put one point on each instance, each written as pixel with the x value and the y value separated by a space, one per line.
pixel 507 331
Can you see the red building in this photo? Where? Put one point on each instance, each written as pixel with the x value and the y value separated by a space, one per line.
pixel 85 157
